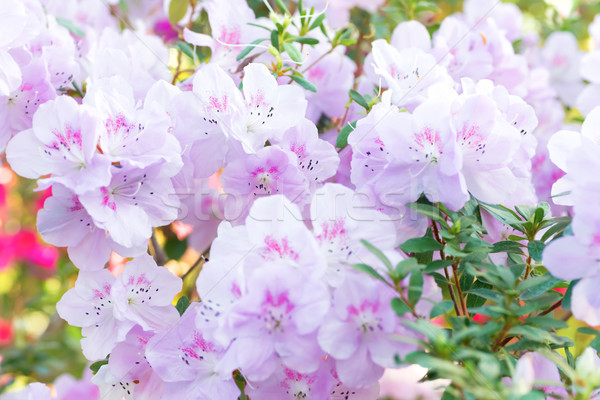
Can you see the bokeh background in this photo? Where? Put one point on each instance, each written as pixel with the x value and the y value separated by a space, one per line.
pixel 36 345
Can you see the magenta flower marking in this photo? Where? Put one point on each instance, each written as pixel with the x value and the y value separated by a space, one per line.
pixel 120 126
pixel 275 309
pixel 230 36
pixel 203 344
pixel 220 105
pixel 278 248
pixel 106 202
pixel 332 230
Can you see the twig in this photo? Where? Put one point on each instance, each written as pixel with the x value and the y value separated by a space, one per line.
pixel 552 307
pixel 436 234
pixel 528 269
pixel 157 252
pixel 452 296
pixel 200 259
pixel 501 338
pixel 463 304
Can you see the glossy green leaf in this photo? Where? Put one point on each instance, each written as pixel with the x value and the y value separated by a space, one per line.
pixel 304 83
pixel 342 139
pixel 177 10
pixel 293 52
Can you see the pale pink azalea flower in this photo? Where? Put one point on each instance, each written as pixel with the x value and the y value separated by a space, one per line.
pixel 426 156
pixel 404 383
pixel 20 22
pixel 408 72
pixel 69 388
pixel 143 195
pixel 110 386
pixel 264 112
pixel 143 294
pixel 487 142
pixel 572 152
pixel 19 105
pixel 358 332
pixel 140 135
pixel 533 370
pixel 340 221
pixel 64 222
pixel 561 56
pixel 202 210
pixel 89 305
pixel 333 76
pixel 269 171
pixel 370 156
pixel 461 50
pixel 186 359
pixel 287 384
pixel 33 391
pixel 316 158
pixel 138 58
pixel 275 319
pixel 128 363
pixel 231 33
pixel 63 142
pixel 274 232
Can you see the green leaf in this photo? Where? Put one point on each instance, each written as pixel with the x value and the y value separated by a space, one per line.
pixel 70 26
pixel 586 330
pixel 371 271
pixel 317 22
pixel 473 300
pixel 440 308
pixel 415 288
pixel 305 40
pixel 503 215
pixel 436 265
pixel 429 211
pixel 426 6
pixel 488 294
pixel 507 246
pixel 359 99
pixel 248 49
pixel 539 214
pixel 526 211
pixel 560 224
pixel 96 366
pixel 535 286
pixel 533 395
pixel 536 334
pixel 293 52
pixel 282 6
pixel 304 83
pixel 259 26
pixel 182 304
pixel 342 139
pixel 350 36
pixel 595 344
pixel 275 38
pixel 177 10
pixel 536 248
pixel 175 248
pixel 185 49
pixel 546 322
pixel 378 253
pixel 406 267
pixel 566 303
pixel 420 245
pixel 399 306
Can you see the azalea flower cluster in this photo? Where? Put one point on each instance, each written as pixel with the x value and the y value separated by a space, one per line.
pixel 576 154
pixel 232 153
